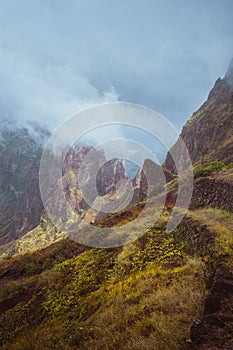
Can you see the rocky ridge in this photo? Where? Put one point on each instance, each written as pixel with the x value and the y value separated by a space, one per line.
pixel 163 291
pixel 20 200
pixel 208 134
pixel 21 205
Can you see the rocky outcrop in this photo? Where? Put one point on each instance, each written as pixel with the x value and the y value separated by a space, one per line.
pixel 151 178
pixel 109 175
pixel 20 200
pixel 102 175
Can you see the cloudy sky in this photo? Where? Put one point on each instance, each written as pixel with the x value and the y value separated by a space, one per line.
pixel 57 56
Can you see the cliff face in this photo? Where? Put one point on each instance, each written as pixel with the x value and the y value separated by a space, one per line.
pixel 21 206
pixel 149 179
pixel 109 175
pixel 208 134
pixel 20 202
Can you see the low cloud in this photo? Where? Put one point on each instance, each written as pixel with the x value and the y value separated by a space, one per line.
pixel 45 93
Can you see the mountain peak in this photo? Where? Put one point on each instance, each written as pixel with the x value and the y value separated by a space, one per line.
pixel 229 74
pixel 208 133
pixel 223 87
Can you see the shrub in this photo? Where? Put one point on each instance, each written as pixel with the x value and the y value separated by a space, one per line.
pixel 229 166
pixel 211 168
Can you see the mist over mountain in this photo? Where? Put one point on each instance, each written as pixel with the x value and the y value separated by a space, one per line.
pixel 111 236
pixel 165 290
pixel 20 198
pixel 207 136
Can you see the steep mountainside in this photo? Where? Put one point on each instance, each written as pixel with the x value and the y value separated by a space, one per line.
pixel 21 206
pixel 208 134
pixel 165 290
pixel 20 201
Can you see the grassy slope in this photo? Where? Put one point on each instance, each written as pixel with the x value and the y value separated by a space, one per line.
pixel 145 295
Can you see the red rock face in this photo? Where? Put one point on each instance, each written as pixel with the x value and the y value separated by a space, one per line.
pixel 20 201
pixel 74 157
pixel 109 173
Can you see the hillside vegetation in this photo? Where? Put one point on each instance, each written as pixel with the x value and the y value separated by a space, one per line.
pixel 164 291
pixel 145 295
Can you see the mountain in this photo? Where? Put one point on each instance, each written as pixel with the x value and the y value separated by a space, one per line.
pixel 20 202
pixel 208 134
pixel 21 207
pixel 23 221
pixel 166 290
